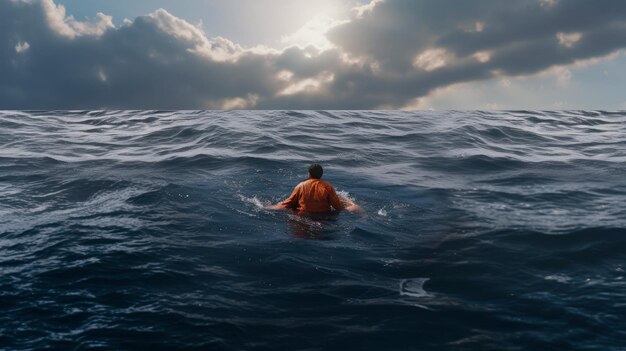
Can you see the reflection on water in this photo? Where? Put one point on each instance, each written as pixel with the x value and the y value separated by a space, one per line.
pixel 314 226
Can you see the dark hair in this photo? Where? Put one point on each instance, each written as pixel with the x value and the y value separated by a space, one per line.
pixel 316 171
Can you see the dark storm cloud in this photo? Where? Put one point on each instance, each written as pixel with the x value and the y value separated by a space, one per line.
pixel 395 31
pixel 155 62
pixel 388 54
pixel 429 44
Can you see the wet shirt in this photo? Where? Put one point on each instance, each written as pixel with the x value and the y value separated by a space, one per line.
pixel 313 195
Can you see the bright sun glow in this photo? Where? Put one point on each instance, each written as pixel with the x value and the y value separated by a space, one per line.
pixel 319 17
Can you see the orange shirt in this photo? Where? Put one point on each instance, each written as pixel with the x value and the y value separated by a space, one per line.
pixel 313 195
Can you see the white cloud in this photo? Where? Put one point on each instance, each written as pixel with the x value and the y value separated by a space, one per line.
pixel 238 103
pixel 22 46
pixel 483 56
pixel 568 39
pixel 313 33
pixel 362 10
pixel 308 85
pixel 284 75
pixel 432 59
pixel 68 27
pixel 217 49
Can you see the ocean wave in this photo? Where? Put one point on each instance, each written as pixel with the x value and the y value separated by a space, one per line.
pixel 129 229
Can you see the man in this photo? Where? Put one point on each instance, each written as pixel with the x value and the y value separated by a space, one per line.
pixel 316 196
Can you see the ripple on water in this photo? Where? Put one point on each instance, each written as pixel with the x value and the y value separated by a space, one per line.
pixel 485 230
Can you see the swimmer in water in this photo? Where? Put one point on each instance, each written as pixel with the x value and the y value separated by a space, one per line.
pixel 317 196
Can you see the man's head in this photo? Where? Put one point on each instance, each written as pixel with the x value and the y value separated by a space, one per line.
pixel 316 171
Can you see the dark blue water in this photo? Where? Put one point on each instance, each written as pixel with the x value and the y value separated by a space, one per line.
pixel 145 230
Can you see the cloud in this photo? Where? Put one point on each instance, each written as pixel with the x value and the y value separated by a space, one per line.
pixel 559 87
pixel 424 45
pixel 68 26
pixel 362 10
pixel 432 59
pixel 568 39
pixel 313 33
pixel 156 61
pixel 390 53
pixel 22 47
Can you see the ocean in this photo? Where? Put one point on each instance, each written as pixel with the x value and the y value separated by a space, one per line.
pixel 134 230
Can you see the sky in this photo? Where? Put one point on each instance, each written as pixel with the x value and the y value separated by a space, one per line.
pixel 323 54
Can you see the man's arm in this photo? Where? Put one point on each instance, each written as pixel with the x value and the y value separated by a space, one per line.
pixel 290 202
pixel 350 206
pixel 334 199
pixel 342 203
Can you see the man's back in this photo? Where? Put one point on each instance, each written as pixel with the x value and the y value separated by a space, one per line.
pixel 316 195
pixel 313 195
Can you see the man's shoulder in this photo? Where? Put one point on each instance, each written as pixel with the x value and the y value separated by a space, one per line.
pixel 310 182
pixel 326 184
pixel 302 184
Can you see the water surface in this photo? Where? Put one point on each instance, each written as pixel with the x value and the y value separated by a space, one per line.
pixel 145 229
